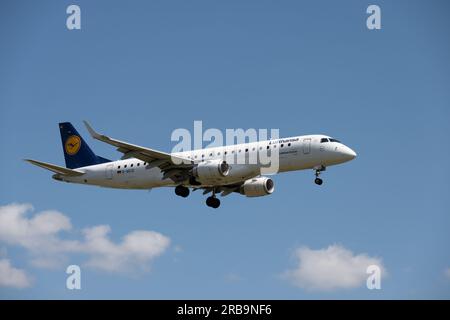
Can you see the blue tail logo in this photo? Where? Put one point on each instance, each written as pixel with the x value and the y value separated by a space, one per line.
pixel 76 151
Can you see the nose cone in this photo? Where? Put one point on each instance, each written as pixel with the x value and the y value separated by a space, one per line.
pixel 347 153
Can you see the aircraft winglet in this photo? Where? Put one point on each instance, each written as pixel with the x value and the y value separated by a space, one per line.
pixel 92 132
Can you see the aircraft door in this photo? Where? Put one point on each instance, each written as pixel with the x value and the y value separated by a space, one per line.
pixel 109 171
pixel 306 145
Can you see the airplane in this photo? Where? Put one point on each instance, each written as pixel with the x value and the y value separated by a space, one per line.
pixel 206 169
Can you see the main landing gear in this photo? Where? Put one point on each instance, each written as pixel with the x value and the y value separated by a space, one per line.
pixel 182 191
pixel 212 201
pixel 318 170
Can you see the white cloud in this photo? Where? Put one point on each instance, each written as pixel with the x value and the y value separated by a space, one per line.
pixel 331 268
pixel 41 236
pixel 12 277
pixel 135 250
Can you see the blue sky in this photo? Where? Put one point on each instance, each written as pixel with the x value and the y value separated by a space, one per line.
pixel 138 70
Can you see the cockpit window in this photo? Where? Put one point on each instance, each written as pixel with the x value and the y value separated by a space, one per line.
pixel 329 140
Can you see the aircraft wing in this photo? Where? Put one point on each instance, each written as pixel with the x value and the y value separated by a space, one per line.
pixel 223 190
pixel 165 161
pixel 57 169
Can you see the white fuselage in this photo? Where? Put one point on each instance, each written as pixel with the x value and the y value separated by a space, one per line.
pixel 295 153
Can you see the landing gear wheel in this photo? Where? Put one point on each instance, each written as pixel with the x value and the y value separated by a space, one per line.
pixel 182 191
pixel 212 202
pixel 318 170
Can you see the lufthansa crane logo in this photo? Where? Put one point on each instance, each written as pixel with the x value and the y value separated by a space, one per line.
pixel 72 145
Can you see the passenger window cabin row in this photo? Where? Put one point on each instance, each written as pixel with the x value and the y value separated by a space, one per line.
pixel 238 151
pixel 131 165
pixel 217 154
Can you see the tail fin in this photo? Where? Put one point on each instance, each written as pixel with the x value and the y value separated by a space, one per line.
pixel 76 151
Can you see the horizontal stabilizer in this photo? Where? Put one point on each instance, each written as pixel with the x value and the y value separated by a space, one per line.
pixel 56 169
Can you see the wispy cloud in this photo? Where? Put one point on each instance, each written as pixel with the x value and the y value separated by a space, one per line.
pixel 233 277
pixel 330 268
pixel 447 273
pixel 41 236
pixel 12 277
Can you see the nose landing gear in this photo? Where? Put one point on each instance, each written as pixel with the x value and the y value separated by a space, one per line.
pixel 318 170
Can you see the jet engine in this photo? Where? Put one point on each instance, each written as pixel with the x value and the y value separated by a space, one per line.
pixel 257 187
pixel 211 171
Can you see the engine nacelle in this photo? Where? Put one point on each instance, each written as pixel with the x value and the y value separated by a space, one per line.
pixel 211 171
pixel 257 187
